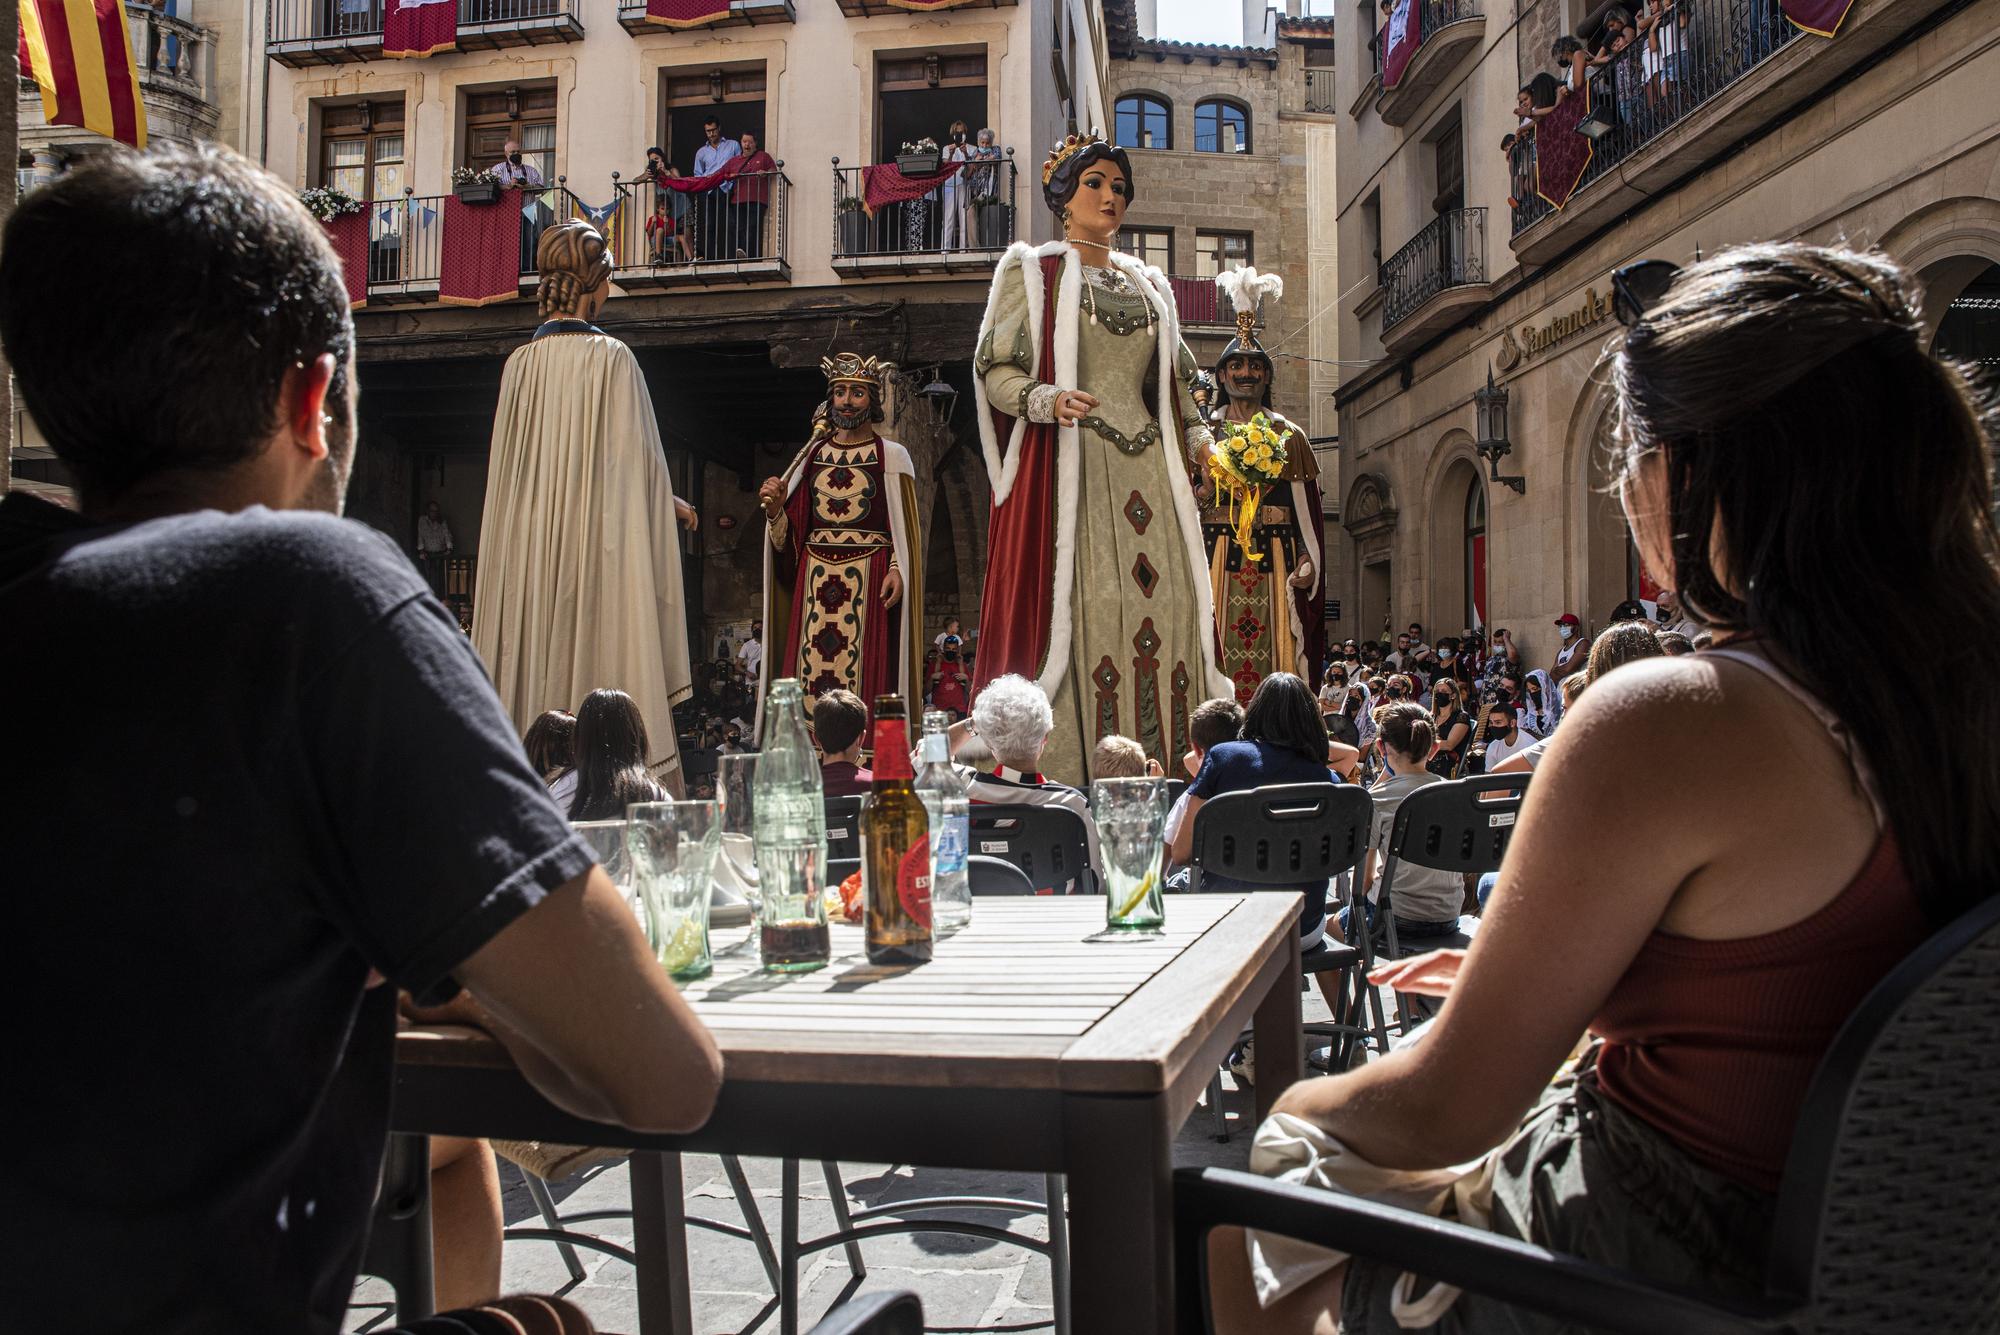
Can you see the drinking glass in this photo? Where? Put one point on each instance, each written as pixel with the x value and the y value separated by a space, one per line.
pixel 673 847
pixel 734 793
pixel 1131 816
pixel 607 843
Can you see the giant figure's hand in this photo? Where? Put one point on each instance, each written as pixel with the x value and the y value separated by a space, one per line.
pixel 1072 404
pixel 771 495
pixel 892 587
pixel 686 514
pixel 1302 578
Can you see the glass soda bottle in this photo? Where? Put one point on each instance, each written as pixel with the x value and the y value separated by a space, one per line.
pixel 944 792
pixel 895 847
pixel 789 829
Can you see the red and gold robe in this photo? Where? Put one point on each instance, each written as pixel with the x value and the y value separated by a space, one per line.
pixel 1263 624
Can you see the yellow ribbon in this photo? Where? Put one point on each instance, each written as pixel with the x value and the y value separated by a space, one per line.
pixel 1246 498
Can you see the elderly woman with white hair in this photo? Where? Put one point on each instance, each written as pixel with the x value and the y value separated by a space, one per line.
pixel 1013 718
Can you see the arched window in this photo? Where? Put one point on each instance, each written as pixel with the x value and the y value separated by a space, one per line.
pixel 1144 121
pixel 1221 127
pixel 1475 556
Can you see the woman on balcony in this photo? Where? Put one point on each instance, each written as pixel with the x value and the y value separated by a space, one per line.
pixel 1095 582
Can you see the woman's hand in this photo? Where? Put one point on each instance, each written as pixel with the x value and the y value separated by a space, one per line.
pixel 1072 404
pixel 1427 975
pixel 689 518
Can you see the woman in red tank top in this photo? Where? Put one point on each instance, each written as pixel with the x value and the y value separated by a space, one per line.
pixel 1721 853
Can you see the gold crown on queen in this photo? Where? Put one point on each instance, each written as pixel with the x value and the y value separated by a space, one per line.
pixel 1071 145
pixel 849 368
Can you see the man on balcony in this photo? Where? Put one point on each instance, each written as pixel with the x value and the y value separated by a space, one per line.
pixel 752 197
pixel 517 173
pixel 712 229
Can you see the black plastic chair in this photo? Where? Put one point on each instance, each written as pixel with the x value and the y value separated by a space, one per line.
pixel 843 828
pixel 895 1312
pixel 1050 843
pixel 996 876
pixel 1290 835
pixel 1461 826
pixel 1885 1217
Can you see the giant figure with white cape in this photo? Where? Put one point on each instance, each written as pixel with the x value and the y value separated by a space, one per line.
pixel 579 579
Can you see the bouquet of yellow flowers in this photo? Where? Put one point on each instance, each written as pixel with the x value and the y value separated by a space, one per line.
pixel 1249 456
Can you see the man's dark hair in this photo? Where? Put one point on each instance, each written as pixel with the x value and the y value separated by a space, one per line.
pixel 1284 713
pixel 1503 707
pixel 151 305
pixel 1213 723
pixel 839 719
pixel 707 121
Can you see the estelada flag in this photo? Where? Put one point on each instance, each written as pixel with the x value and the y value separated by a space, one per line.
pixel 686 13
pixel 1821 18
pixel 419 27
pixel 1399 42
pixel 80 53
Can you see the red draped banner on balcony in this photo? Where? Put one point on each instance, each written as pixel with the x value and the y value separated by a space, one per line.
pixel 686 13
pixel 1561 154
pixel 419 27
pixel 1400 37
pixel 479 260
pixel 884 183
pixel 924 5
pixel 349 234
pixel 1821 18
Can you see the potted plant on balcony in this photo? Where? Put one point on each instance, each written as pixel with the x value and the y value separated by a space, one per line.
pixel 852 223
pixel 475 187
pixel 992 221
pixel 923 158
pixel 326 203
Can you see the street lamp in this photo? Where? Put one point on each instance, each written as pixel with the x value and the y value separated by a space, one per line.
pixel 939 397
pixel 1489 407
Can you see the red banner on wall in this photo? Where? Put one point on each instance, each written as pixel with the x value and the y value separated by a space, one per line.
pixel 1400 39
pixel 1561 154
pixel 686 13
pixel 419 27
pixel 1821 18
pixel 349 234
pixel 480 255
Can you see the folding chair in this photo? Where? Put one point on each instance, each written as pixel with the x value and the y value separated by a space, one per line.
pixel 843 837
pixel 1460 826
pixel 1051 844
pixel 893 1312
pixel 1294 834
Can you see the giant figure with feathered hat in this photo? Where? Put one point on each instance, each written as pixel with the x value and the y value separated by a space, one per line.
pixel 1269 592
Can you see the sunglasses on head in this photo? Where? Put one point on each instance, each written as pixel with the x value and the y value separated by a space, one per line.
pixel 1638 287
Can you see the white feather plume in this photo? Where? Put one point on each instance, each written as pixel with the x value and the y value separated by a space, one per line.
pixel 1248 290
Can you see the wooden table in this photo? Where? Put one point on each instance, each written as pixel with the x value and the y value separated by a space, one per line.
pixel 1034 1041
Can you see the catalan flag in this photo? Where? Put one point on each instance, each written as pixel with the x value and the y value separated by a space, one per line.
pixel 80 53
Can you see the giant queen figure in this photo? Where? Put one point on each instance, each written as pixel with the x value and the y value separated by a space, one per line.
pixel 1096 584
pixel 579 582
pixel 841 573
pixel 1271 611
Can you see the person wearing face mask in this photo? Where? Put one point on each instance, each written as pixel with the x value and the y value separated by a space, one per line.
pixel 1575 647
pixel 1454 728
pixel 515 172
pixel 956 195
pixel 1541 704
pixel 1096 583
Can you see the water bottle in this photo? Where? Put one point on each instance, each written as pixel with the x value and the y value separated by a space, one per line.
pixel 789 827
pixel 943 790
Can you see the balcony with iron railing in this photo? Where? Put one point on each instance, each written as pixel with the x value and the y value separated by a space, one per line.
pixel 1435 278
pixel 887 223
pixel 1731 69
pixel 1201 305
pixel 305 33
pixel 1445 31
pixel 406 240
pixel 662 237
pixel 632 15
pixel 1319 90
pixel 175 63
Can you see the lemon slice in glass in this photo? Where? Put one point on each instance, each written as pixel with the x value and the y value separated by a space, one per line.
pixel 684 948
pixel 1145 888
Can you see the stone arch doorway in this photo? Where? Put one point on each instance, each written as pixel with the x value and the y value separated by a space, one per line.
pixel 1458 556
pixel 1369 516
pixel 1967 325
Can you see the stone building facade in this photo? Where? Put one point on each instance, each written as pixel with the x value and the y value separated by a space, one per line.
pixel 1882 135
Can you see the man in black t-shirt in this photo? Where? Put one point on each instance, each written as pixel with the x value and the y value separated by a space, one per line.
pixel 268 773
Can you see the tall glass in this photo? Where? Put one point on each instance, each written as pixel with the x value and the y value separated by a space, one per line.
pixel 736 794
pixel 607 843
pixel 1131 816
pixel 673 846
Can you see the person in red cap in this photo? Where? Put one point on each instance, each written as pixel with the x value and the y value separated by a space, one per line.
pixel 1575 646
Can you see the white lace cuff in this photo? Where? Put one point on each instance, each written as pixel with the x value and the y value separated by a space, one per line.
pixel 1041 403
pixel 1200 440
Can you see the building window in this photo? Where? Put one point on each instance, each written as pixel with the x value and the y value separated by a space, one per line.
pixel 734 95
pixel 1149 245
pixel 1221 127
pixel 1144 121
pixel 1220 252
pixel 361 149
pixel 1371 231
pixel 918 96
pixel 1475 557
pixel 525 114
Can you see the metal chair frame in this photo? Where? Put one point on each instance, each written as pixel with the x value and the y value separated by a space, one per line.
pixel 1885 1214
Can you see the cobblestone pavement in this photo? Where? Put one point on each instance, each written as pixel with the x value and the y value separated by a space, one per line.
pixel 966 1283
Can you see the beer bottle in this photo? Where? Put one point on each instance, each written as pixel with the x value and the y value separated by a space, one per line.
pixel 895 847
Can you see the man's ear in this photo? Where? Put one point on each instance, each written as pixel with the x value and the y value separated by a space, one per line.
pixel 302 400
